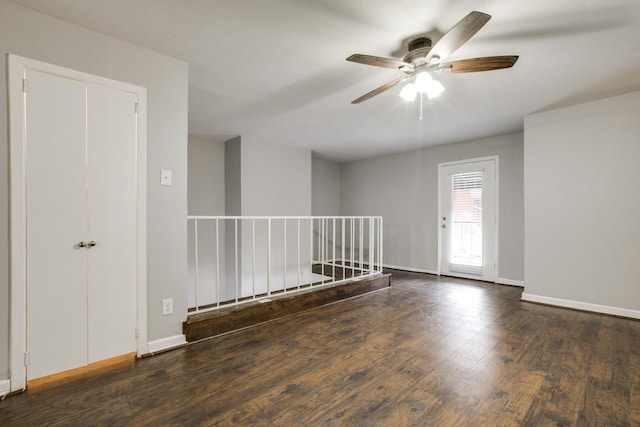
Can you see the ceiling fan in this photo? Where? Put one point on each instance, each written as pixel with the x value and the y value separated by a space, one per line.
pixel 422 58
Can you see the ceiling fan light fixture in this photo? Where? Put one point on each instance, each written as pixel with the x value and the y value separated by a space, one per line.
pixel 423 81
pixel 406 68
pixel 434 60
pixel 434 89
pixel 409 92
pixel 426 84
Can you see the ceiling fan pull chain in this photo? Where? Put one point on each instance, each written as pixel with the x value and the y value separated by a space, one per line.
pixel 421 106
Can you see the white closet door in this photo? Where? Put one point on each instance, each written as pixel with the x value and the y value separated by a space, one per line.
pixel 111 135
pixel 56 223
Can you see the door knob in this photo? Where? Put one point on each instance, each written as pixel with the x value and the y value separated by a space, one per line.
pixel 82 244
pixel 92 243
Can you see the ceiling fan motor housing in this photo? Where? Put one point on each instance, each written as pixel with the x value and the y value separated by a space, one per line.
pixel 419 42
pixel 418 50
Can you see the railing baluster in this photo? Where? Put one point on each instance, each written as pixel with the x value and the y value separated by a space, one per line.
pixel 380 240
pixel 352 256
pixel 344 271
pixel 217 264
pixel 377 254
pixel 311 252
pixel 319 249
pixel 322 245
pixel 377 243
pixel 333 251
pixel 253 257
pixel 370 260
pixel 235 223
pixel 361 244
pixel 284 257
pixel 298 251
pixel 269 256
pixel 195 231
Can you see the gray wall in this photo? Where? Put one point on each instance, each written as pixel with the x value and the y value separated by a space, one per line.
pixel 403 188
pixel 325 187
pixel 206 187
pixel 233 177
pixel 37 36
pixel 206 192
pixel 276 180
pixel 582 202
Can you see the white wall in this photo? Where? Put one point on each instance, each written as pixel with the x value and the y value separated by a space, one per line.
pixel 325 187
pixel 27 33
pixel 582 201
pixel 403 188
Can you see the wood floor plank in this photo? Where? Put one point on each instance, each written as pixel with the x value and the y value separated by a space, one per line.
pixel 634 372
pixel 449 388
pixel 509 400
pixel 607 396
pixel 559 398
pixel 429 351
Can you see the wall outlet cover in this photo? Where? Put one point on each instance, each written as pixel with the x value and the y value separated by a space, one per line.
pixel 167 306
pixel 165 177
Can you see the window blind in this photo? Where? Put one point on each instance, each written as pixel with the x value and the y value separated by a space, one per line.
pixel 466 223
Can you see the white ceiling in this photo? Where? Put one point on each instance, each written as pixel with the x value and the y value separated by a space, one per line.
pixel 275 70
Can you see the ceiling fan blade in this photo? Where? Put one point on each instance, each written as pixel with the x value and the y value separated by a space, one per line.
pixel 379 90
pixel 378 61
pixel 473 65
pixel 457 36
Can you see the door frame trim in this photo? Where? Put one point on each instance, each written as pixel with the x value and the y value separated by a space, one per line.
pixel 17 210
pixel 496 202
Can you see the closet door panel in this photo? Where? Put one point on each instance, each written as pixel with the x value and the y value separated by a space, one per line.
pixel 55 224
pixel 111 135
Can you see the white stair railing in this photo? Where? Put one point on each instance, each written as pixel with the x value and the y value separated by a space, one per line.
pixel 238 259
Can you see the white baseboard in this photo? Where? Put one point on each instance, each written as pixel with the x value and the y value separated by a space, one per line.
pixel 579 305
pixel 411 269
pixel 167 343
pixel 5 387
pixel 500 280
pixel 510 282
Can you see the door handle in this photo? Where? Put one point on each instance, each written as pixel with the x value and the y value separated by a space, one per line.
pixel 87 244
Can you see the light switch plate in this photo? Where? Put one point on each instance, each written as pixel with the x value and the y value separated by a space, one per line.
pixel 165 177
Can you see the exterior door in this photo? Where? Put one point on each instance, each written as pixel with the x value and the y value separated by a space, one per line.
pixel 467 219
pixel 81 251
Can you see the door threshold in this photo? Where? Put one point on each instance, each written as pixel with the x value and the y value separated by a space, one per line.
pixel 89 370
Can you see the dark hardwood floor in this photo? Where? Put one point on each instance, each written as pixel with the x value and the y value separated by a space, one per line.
pixel 424 352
